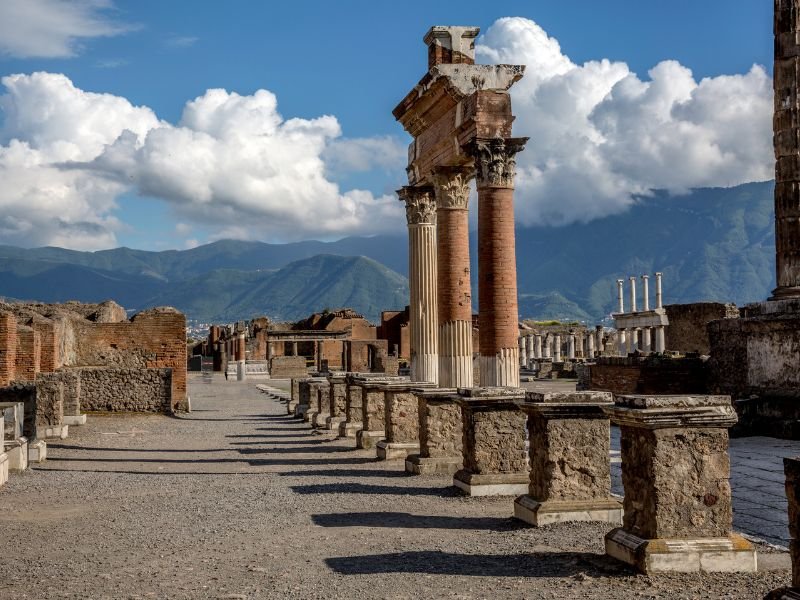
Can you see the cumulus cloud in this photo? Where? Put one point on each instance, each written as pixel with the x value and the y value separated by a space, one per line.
pixel 601 135
pixel 53 28
pixel 232 163
pixel 365 154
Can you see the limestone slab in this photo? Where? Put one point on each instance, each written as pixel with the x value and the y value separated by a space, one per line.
pixel 386 450
pixel 537 513
pixel 438 465
pixel 495 484
pixel 17 452
pixel 37 451
pixel 74 420
pixel 366 439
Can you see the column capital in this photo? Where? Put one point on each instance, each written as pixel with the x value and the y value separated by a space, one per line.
pixel 452 187
pixel 495 160
pixel 420 204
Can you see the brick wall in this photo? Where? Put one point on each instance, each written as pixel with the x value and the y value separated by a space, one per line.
pixel 651 375
pixel 688 324
pixel 28 353
pixel 8 348
pixel 287 367
pixel 50 344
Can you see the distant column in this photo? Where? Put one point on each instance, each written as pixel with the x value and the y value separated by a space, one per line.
pixel 620 296
pixel 241 347
pixel 548 340
pixel 523 351
pixel 531 353
pixel 537 348
pixel 453 277
pixel 622 341
pixel 294 349
pixel 421 216
pixel 633 293
pixel 590 345
pixel 645 293
pixel 659 298
pixel 571 347
pixel 498 312
pixel 557 348
pixel 646 341
pixel 598 332
pixel 660 340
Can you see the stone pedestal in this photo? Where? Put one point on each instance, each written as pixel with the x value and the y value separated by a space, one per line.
pixel 440 433
pixel 323 406
pixel 570 477
pixel 352 409
pixel 401 417
pixel 294 396
pixel 791 466
pixel 675 470
pixel 338 400
pixel 17 452
pixel 308 397
pixel 373 412
pixel 495 461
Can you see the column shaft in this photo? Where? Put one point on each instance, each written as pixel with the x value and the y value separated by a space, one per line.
pixel 422 280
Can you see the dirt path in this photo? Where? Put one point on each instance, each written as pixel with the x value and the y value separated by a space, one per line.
pixel 237 500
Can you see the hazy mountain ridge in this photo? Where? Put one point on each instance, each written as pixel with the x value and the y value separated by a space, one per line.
pixel 712 244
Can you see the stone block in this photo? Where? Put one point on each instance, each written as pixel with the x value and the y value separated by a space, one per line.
pixel 37 451
pixel 17 452
pixel 367 440
pixel 3 468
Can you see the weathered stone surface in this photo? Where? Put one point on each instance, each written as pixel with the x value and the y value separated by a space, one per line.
pixel 125 389
pixel 373 411
pixel 440 426
pixel 338 394
pixel 676 482
pixel 401 415
pixel 353 402
pixel 72 391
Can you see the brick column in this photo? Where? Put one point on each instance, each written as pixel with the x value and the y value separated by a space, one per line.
pixel 453 276
pixel 497 269
pixel 241 346
pixel 787 148
pixel 421 216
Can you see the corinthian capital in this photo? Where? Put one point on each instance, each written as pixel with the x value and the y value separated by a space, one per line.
pixel 495 160
pixel 452 186
pixel 420 204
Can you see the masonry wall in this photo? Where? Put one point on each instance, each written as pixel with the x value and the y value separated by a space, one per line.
pixel 121 389
pixel 28 354
pixel 287 367
pixel 153 339
pixel 8 348
pixel 688 325
pixel 651 375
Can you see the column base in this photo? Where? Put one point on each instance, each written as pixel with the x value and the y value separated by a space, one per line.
pixel 291 408
pixel 538 513
pixel 308 417
pixel 783 293
pixel 320 420
pixel 37 451
pixel 74 420
pixel 367 440
pixel 439 465
pixel 17 453
pixel 55 431
pixel 393 450
pixel 731 554
pixel 501 370
pixel 333 423
pixel 348 429
pixel 300 411
pixel 787 593
pixel 495 484
pixel 3 468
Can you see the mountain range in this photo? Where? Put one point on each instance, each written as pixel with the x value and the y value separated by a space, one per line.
pixel 711 244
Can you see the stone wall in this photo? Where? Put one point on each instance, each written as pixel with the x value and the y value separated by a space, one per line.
pixel 28 353
pixel 688 325
pixel 442 437
pixel 72 391
pixel 649 375
pixel 287 367
pixel 49 401
pixel 25 393
pixel 124 389
pixel 493 432
pixel 8 348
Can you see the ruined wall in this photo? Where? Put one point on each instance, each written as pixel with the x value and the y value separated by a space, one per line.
pixel 153 339
pixel 688 325
pixel 287 367
pixel 49 401
pixel 72 391
pixel 8 348
pixel 440 429
pixel 121 389
pixel 28 354
pixel 25 393
pixel 650 375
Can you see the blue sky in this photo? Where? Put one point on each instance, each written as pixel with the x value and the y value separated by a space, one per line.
pixel 355 60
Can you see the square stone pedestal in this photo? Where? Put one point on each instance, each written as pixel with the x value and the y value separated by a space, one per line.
pixel 401 416
pixel 570 478
pixel 37 451
pixel 320 420
pixel 494 443
pixel 348 429
pixel 52 431
pixel 333 423
pixel 17 452
pixel 323 405
pixel 440 433
pixel 338 398
pixel 676 470
pixel 366 440
pixel 3 468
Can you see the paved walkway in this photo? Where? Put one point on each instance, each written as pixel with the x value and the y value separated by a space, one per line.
pixel 237 500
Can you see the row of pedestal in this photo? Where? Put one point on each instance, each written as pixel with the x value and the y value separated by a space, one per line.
pixel 552 450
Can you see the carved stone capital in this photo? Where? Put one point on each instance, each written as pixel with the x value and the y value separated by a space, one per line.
pixel 452 186
pixel 495 160
pixel 420 204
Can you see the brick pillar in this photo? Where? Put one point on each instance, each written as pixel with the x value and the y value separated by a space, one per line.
pixel 498 313
pixel 453 277
pixel 8 348
pixel 787 148
pixel 49 358
pixel 421 216
pixel 28 354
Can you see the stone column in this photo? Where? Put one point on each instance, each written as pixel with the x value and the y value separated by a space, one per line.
pixel 523 352
pixel 786 129
pixel 646 342
pixel 633 294
pixel 548 341
pixel 421 217
pixel 453 276
pixel 659 295
pixel 598 331
pixel 620 296
pixel 497 268
pixel 494 443
pixel 633 340
pixel 645 293
pixel 622 341
pixel 294 349
pixel 791 467
pixel 531 350
pixel 571 347
pixel 570 476
pixel 675 470
pixel 537 348
pixel 556 348
pixel 589 345
pixel 660 339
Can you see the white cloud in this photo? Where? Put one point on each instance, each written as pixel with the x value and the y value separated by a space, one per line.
pixel 601 135
pixel 53 28
pixel 364 154
pixel 181 41
pixel 232 164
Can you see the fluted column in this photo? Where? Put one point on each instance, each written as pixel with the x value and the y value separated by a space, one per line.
pixel 786 140
pixel 557 348
pixel 590 345
pixel 453 278
pixel 495 165
pixel 537 348
pixel 531 350
pixel 421 217
pixel 523 351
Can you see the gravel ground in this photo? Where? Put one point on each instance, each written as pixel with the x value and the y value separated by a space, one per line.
pixel 237 500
